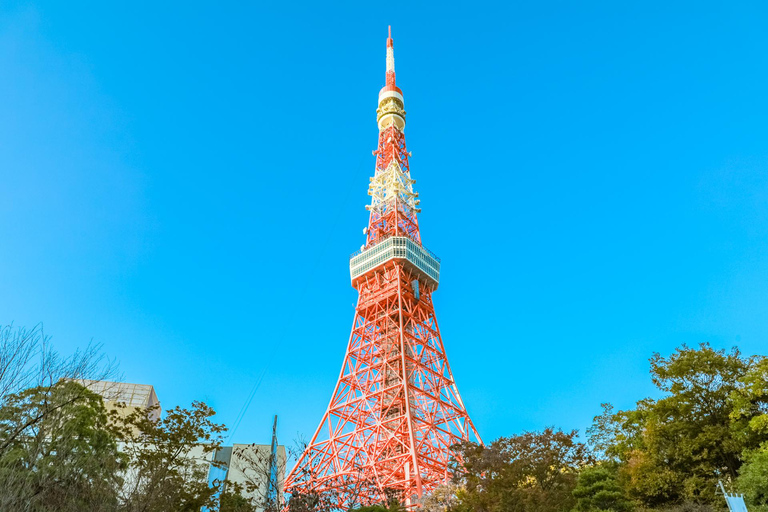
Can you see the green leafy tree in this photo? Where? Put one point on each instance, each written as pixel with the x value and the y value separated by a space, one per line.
pixel 391 503
pixel 750 414
pixel 598 489
pixel 750 404
pixel 531 472
pixel 674 449
pixel 614 436
pixel 753 478
pixel 170 459
pixel 59 451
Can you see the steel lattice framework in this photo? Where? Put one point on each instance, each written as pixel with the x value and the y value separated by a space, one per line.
pixel 396 411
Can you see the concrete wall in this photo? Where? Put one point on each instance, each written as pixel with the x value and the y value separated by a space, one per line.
pixel 248 465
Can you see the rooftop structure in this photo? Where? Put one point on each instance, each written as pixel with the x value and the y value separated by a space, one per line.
pixel 132 395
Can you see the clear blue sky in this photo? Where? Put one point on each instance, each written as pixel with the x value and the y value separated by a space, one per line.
pixel 184 184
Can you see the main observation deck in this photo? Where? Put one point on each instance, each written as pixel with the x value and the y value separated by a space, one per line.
pixel 402 248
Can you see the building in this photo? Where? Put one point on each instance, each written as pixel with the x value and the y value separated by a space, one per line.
pixel 258 468
pixel 133 396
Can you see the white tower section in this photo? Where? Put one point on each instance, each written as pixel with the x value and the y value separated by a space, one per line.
pixel 389 185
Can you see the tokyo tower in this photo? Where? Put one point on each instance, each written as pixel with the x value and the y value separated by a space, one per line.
pixel 396 410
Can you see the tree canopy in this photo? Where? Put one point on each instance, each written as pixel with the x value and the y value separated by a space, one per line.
pixel 61 449
pixel 675 449
pixel 709 423
pixel 530 472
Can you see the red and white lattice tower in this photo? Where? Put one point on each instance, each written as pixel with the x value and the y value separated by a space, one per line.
pixel 396 411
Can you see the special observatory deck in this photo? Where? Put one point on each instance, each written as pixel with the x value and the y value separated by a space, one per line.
pixel 396 248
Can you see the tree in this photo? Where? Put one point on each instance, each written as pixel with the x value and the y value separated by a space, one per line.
pixel 753 477
pixel 750 404
pixel 232 499
pixel 59 451
pixel 531 472
pixel 674 449
pixel 444 497
pixel 169 459
pixel 18 347
pixel 254 465
pixel 598 489
pixel 391 503
pixel 750 412
pixel 28 359
pixel 377 508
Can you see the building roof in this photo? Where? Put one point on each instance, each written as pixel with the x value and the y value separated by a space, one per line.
pixel 134 395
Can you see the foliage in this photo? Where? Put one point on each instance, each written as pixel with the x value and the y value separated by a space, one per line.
pixel 170 459
pixel 390 504
pixel 306 502
pixel 329 501
pixel 750 403
pixel 61 449
pixel 689 506
pixel 674 449
pixel 316 502
pixel 605 433
pixel 58 452
pixel 444 497
pixel 253 464
pixel 531 472
pixel 598 488
pixel 372 508
pixel 750 411
pixel 753 477
pixel 232 499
